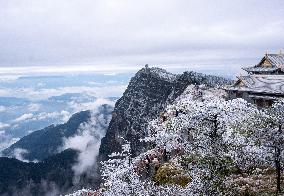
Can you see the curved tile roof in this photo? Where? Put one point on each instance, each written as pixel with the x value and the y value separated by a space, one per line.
pixel 261 69
pixel 275 60
pixel 273 84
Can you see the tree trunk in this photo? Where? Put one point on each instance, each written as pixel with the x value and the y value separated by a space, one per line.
pixel 278 169
pixel 278 161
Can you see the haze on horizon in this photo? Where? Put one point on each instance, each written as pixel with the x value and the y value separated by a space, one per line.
pixel 111 34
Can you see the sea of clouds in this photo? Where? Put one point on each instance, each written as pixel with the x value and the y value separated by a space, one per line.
pixel 31 103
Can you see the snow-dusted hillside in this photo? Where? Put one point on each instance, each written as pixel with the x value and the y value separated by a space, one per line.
pixel 202 145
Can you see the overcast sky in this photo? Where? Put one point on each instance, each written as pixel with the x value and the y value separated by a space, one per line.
pixel 126 33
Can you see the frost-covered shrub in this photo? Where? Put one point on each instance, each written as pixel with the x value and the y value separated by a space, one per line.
pixel 170 173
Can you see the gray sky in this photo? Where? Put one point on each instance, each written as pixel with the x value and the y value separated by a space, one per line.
pixel 126 33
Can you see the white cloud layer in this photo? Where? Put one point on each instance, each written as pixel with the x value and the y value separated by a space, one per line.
pixel 62 115
pixel 87 142
pixel 90 105
pixel 34 107
pixel 44 93
pixel 24 117
pixel 4 125
pixel 6 141
pixel 2 108
pixel 18 153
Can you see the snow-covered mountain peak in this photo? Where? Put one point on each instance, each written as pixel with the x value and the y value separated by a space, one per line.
pixel 160 73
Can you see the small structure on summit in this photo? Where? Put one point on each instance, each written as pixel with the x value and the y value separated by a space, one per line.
pixel 264 83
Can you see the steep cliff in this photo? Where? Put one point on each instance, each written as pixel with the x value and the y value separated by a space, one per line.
pixel 146 96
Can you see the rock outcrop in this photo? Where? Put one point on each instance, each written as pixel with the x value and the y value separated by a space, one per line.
pixel 146 96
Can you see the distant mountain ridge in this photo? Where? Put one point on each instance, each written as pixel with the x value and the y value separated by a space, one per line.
pixel 8 101
pixel 46 142
pixel 53 175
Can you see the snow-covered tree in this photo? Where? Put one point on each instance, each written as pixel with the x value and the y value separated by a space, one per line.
pixel 277 137
pixel 201 145
pixel 203 131
pixel 119 175
pixel 265 129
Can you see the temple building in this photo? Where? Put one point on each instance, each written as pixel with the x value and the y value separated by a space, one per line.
pixel 270 64
pixel 264 83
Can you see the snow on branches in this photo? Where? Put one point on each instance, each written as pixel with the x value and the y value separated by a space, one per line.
pixel 203 145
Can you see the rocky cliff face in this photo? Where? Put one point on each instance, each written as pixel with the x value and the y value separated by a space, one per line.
pixel 146 96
